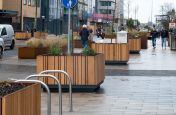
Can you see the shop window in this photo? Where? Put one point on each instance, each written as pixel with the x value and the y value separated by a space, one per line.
pixel 29 2
pixel 24 2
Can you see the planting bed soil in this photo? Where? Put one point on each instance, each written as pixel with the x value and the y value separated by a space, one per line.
pixel 7 88
pixel 20 98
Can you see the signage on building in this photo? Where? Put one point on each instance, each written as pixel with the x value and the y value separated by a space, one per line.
pixel 69 3
pixel 172 25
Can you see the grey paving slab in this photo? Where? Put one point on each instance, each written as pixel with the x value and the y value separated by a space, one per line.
pixel 146 86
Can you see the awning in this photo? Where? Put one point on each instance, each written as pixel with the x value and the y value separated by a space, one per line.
pixel 8 13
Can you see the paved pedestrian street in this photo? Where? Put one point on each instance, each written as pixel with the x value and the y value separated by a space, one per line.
pixel 145 86
pixel 123 96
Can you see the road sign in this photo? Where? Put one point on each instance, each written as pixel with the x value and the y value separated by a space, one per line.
pixel 69 3
pixel 172 25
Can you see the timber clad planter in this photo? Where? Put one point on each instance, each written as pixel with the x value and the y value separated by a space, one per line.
pixel 135 45
pixel 77 43
pixel 110 36
pixel 86 71
pixel 114 52
pixel 22 35
pixel 26 101
pixel 30 53
pixel 40 34
pixel 144 42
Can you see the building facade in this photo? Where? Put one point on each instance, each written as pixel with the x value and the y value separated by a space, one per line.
pixel 20 13
pixel 109 11
pixel 104 10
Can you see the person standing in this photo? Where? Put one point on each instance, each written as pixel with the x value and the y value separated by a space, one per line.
pixel 164 35
pixel 98 31
pixel 84 34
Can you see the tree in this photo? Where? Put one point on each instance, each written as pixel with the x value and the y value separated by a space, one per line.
pixel 168 11
pixel 132 24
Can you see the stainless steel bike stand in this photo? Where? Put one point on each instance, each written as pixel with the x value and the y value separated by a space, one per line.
pixel 70 83
pixel 58 83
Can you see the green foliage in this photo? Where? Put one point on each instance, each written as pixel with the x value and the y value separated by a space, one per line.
pixel 130 23
pixel 137 35
pixel 89 52
pixel 55 50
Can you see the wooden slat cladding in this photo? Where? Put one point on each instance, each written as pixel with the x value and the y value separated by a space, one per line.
pixel 22 35
pixel 26 101
pixel 30 53
pixel 84 70
pixel 144 42
pixel 112 51
pixel 0 106
pixel 135 45
pixel 41 35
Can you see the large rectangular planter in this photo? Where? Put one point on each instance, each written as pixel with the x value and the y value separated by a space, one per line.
pixel 114 52
pixel 86 71
pixel 112 36
pixel 22 35
pixel 144 42
pixel 40 34
pixel 26 101
pixel 31 53
pixel 77 43
pixel 135 45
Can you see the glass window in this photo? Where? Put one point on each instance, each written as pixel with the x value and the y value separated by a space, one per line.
pixel 4 32
pixel 24 2
pixel 105 3
pixel 29 2
pixel 34 2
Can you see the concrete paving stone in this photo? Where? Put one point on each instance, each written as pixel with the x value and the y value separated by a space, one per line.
pixel 142 87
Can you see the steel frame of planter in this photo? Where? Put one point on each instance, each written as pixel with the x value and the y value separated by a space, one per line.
pixel 44 85
pixel 58 83
pixel 70 83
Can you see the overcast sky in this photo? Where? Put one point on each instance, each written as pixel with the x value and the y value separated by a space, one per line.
pixel 144 8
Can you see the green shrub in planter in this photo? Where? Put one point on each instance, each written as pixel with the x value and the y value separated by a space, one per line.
pixel 55 50
pixel 89 52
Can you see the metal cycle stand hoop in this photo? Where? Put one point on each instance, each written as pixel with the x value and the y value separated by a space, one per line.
pixel 70 83
pixel 47 89
pixel 59 87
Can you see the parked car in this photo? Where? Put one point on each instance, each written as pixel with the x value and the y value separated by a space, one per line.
pixel 8 36
pixel 1 47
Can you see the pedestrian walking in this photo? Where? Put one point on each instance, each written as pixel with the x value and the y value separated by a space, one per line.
pixel 164 36
pixel 98 31
pixel 84 34
pixel 154 35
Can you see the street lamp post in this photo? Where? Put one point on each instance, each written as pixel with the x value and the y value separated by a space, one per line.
pixel 43 23
pixel 35 22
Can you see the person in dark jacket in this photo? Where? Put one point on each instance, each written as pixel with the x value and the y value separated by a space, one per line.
pixel 154 35
pixel 84 33
pixel 164 36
